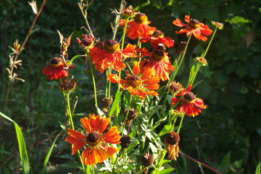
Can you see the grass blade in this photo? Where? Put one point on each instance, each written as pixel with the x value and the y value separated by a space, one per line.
pixel 21 144
pixel 49 154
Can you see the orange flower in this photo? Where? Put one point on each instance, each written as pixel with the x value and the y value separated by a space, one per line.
pixel 109 54
pixel 193 26
pixel 158 61
pixel 56 70
pixel 190 104
pixel 172 146
pixel 137 85
pixel 138 27
pixel 97 151
pixel 156 38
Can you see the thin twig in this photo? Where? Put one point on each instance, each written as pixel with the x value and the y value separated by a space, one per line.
pixel 203 164
pixel 18 53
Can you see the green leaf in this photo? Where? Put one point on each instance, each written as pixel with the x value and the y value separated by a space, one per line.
pixel 22 146
pixel 116 102
pixel 191 74
pixel 49 154
pixel 165 130
pixel 258 168
pixel 225 162
pixel 166 171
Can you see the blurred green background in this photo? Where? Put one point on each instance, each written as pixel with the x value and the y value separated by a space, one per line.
pixel 230 126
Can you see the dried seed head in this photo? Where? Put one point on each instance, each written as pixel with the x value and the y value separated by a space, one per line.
pixel 181 47
pixel 132 114
pixel 105 102
pixel 125 141
pixel 172 138
pixel 147 160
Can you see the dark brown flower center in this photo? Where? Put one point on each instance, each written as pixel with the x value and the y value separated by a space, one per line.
pixel 161 46
pixel 157 33
pixel 86 42
pixel 92 138
pixel 189 96
pixel 147 160
pixel 158 55
pixel 193 23
pixel 174 87
pixel 140 18
pixel 125 141
pixel 111 46
pixel 134 81
pixel 172 138
pixel 56 61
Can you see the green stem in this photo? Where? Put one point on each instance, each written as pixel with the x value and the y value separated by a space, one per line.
pixel 176 71
pixel 160 162
pixel 197 69
pixel 210 43
pixel 183 55
pixel 124 32
pixel 123 125
pixel 180 123
pixel 139 45
pixel 93 81
pixel 71 120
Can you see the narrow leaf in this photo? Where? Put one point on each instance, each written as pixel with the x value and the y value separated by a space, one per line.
pixel 115 103
pixel 49 154
pixel 21 144
pixel 258 171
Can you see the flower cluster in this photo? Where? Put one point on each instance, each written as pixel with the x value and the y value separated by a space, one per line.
pixel 140 80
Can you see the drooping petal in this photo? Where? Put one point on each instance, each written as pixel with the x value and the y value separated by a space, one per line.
pixel 75 134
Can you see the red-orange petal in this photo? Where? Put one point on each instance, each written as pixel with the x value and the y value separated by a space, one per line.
pixel 86 124
pixel 112 136
pixel 136 68
pixel 104 124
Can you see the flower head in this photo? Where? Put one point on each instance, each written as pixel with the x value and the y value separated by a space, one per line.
pixel 171 143
pixel 158 61
pixel 175 87
pixel 138 27
pixel 56 69
pixel 202 61
pixel 190 104
pixel 199 30
pixel 146 161
pixel 128 11
pixel 218 25
pixel 67 86
pixel 125 141
pixel 138 85
pixel 131 115
pixel 97 151
pixel 156 38
pixel 109 54
pixel 87 41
